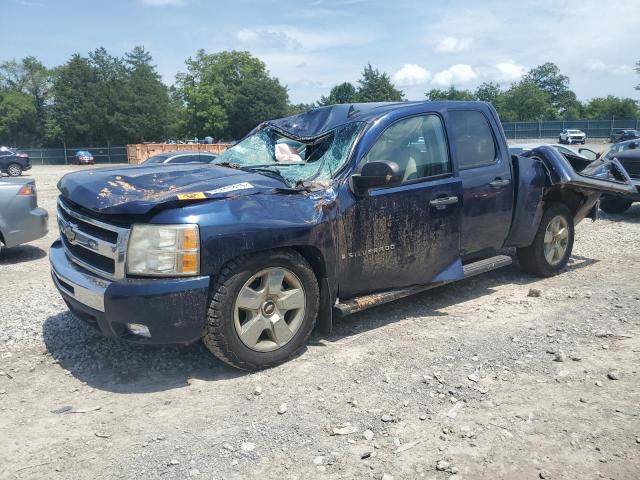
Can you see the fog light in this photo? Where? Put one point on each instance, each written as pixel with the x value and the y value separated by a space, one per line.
pixel 138 329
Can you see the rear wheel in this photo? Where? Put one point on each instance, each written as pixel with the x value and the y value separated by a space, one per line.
pixel 14 170
pixel 552 245
pixel 262 309
pixel 559 139
pixel 614 205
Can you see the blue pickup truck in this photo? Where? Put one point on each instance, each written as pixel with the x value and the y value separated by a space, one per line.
pixel 311 217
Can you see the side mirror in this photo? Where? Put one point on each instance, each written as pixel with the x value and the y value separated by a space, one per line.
pixel 598 155
pixel 589 154
pixel 376 175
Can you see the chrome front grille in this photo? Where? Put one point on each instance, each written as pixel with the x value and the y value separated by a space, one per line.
pixel 94 245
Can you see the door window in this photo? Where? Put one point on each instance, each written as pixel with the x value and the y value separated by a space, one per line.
pixel 472 136
pixel 417 144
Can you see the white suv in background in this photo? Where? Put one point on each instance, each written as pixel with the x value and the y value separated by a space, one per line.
pixel 570 136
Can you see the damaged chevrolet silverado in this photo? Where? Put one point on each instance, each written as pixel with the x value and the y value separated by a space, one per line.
pixel 310 217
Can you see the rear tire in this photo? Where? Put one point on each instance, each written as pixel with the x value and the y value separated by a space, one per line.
pixel 615 205
pixel 552 245
pixel 268 280
pixel 14 170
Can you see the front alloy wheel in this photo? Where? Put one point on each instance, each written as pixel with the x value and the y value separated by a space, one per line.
pixel 262 309
pixel 269 309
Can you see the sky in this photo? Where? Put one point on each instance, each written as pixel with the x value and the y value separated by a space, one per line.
pixel 313 45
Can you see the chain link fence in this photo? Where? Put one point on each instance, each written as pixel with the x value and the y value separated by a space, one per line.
pixel 552 128
pixel 67 156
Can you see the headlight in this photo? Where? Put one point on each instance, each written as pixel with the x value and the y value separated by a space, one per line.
pixel 164 250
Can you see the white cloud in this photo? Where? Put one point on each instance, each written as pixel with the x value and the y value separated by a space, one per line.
pixel 411 74
pixel 596 65
pixel 163 3
pixel 453 45
pixel 292 38
pixel 510 71
pixel 459 74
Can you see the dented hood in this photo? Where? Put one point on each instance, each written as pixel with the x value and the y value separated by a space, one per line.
pixel 137 190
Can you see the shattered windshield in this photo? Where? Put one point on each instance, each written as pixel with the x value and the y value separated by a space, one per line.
pixel 295 160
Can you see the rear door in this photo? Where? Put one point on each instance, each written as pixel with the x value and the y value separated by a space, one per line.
pixel 408 234
pixel 487 186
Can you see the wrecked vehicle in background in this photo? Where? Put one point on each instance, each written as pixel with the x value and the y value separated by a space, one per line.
pixel 308 217
pixel 629 158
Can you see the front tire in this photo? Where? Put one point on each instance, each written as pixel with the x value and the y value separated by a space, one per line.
pixel 614 205
pixel 14 170
pixel 552 245
pixel 262 309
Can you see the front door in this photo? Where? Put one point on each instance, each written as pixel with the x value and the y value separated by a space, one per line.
pixel 408 234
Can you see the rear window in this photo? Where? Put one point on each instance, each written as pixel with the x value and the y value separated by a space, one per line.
pixel 473 138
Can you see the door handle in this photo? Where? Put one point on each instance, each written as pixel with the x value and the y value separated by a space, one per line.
pixel 441 202
pixel 499 183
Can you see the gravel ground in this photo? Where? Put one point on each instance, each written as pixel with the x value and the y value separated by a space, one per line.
pixel 473 380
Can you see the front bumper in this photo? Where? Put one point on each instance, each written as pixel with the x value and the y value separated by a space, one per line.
pixel 173 310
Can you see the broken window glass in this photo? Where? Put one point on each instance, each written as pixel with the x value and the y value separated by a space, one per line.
pixel 297 160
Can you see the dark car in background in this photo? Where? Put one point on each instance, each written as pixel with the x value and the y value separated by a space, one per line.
pixel 181 156
pixel 620 147
pixel 13 162
pixel 630 160
pixel 622 135
pixel 84 157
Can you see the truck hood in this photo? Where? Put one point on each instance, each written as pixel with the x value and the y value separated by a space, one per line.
pixel 137 190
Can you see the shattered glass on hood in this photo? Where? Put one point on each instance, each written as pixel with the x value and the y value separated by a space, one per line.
pixel 296 160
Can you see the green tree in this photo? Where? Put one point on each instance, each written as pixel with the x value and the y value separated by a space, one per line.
pixel 295 109
pixel 74 112
pixel 31 78
pixel 148 111
pixel 452 93
pixel 377 87
pixel 343 93
pixel 112 96
pixel 526 101
pixel 18 118
pixel 612 107
pixel 556 85
pixel 492 93
pixel 228 93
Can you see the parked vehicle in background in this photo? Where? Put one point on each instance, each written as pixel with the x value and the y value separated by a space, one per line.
pixel 324 213
pixel 21 220
pixel 620 147
pixel 623 135
pixel 181 156
pixel 572 136
pixel 13 162
pixel 84 157
pixel 583 152
pixel 630 160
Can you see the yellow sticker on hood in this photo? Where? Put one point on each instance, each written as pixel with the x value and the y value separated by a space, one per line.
pixel 191 196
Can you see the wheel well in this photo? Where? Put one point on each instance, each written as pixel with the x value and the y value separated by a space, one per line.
pixel 571 199
pixel 315 259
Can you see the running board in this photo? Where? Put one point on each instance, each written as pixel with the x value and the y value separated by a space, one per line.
pixel 358 304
